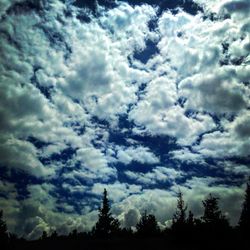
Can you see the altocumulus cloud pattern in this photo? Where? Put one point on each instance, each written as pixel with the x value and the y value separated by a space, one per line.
pixel 140 97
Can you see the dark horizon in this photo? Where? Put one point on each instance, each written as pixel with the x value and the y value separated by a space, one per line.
pixel 212 230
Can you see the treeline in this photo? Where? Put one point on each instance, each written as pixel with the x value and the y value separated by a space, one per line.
pixel 210 231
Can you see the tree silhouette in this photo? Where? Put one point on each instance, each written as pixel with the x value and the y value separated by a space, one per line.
pixel 244 222
pixel 190 227
pixel 179 217
pixel 3 231
pixel 44 235
pixel 212 212
pixel 106 224
pixel 213 217
pixel 147 226
pixel 3 227
pixel 73 234
pixel 190 219
pixel 54 235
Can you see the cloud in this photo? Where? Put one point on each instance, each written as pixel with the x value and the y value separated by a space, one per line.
pixel 90 175
pixel 159 202
pixel 66 84
pixel 6 4
pixel 163 122
pixel 197 189
pixel 233 141
pixel 239 7
pixel 131 218
pixel 241 126
pixel 185 155
pixel 157 175
pixel 21 155
pixel 91 157
pixel 117 191
pixel 232 167
pixel 205 93
pixel 138 154
pixel 38 213
pixel 88 72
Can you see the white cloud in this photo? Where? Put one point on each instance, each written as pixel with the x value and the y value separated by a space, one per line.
pixel 171 121
pixel 117 191
pixel 139 154
pixel 233 141
pixel 130 25
pixel 216 92
pixel 156 176
pixel 185 155
pixel 235 168
pixel 22 155
pixel 90 175
pixel 91 157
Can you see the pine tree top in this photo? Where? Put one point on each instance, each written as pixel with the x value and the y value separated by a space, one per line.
pixel 212 212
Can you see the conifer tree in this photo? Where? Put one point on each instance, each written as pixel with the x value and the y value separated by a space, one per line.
pixel 179 218
pixel 190 219
pixel 244 222
pixel 54 235
pixel 44 235
pixel 189 233
pixel 106 224
pixel 212 214
pixel 3 227
pixel 3 231
pixel 147 226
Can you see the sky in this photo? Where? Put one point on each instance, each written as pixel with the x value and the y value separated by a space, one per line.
pixel 144 98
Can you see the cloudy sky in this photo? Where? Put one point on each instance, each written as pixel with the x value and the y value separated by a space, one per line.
pixel 140 97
